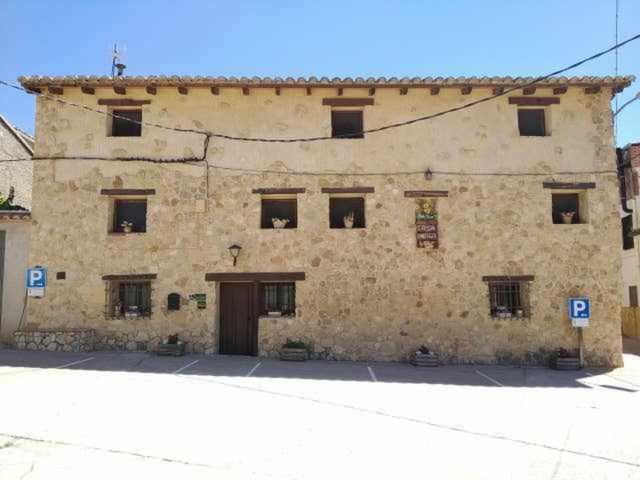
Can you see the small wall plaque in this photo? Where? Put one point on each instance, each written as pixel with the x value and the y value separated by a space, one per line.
pixel 200 299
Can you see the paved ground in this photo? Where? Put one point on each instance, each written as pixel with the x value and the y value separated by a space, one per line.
pixel 103 415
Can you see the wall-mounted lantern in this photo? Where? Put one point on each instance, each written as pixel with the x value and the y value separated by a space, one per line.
pixel 234 250
pixel 428 175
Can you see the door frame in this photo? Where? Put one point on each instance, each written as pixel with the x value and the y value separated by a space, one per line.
pixel 253 309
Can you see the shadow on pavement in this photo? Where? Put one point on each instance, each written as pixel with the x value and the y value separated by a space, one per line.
pixel 13 362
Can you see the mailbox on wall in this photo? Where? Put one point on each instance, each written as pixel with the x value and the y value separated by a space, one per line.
pixel 173 301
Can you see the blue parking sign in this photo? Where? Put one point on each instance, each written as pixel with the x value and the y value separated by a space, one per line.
pixel 36 277
pixel 579 311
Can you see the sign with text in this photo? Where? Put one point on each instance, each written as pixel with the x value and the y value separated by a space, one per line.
pixel 36 281
pixel 426 223
pixel 579 311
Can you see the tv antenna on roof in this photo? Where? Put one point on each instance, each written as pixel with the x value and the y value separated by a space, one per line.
pixel 117 67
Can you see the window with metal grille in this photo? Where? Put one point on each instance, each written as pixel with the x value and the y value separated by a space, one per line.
pixel 130 211
pixel 627 227
pixel 124 123
pixel 285 209
pixel 347 124
pixel 531 122
pixel 128 299
pixel 278 297
pixel 565 208
pixel 341 210
pixel 509 299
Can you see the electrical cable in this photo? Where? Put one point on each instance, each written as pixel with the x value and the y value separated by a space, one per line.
pixel 372 130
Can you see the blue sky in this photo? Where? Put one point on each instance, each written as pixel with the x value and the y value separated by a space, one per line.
pixel 321 38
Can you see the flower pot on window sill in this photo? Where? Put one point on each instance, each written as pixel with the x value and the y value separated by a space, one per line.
pixel 279 223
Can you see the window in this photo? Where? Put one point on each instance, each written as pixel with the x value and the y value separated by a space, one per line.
pixel 509 299
pixel 633 296
pixel 278 297
pixel 627 227
pixel 346 212
pixel 128 299
pixel 123 127
pixel 531 122
pixel 347 124
pixel 133 212
pixel 279 212
pixel 565 208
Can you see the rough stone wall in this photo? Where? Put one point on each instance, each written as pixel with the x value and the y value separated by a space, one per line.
pixel 55 340
pixel 369 293
pixel 15 174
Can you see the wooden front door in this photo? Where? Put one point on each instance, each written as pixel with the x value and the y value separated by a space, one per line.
pixel 238 319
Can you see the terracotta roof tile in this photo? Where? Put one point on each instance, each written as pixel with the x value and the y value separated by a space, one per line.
pixel 206 81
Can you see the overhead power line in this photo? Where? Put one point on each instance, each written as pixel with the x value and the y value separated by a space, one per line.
pixel 320 138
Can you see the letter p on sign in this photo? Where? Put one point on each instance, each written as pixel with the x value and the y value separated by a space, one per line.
pixel 36 278
pixel 579 311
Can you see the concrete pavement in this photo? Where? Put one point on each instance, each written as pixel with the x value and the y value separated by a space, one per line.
pixel 134 415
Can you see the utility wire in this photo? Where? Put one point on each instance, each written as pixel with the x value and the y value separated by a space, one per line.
pixel 197 160
pixel 636 97
pixel 372 130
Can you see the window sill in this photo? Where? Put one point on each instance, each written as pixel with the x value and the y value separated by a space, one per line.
pixel 275 317
pixel 124 234
pixel 570 224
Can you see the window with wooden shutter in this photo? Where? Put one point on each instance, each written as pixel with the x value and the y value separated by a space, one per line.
pixel 343 209
pixel 124 123
pixel 347 124
pixel 276 211
pixel 130 211
pixel 627 227
pixel 531 122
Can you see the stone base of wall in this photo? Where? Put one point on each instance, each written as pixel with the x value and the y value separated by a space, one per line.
pixel 55 340
pixel 141 341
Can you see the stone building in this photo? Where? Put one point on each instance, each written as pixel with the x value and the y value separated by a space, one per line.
pixel 15 223
pixel 629 165
pixel 469 231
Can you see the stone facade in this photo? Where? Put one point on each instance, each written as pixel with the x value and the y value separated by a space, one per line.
pixel 14 143
pixel 55 340
pixel 368 294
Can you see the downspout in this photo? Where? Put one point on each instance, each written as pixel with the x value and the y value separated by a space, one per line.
pixel 621 183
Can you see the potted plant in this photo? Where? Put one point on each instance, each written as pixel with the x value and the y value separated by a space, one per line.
pixel 127 227
pixel 567 217
pixel 279 223
pixel 293 351
pixel 171 346
pixel 348 220
pixel 564 359
pixel 423 357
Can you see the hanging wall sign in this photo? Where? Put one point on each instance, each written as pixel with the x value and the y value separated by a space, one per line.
pixel 426 223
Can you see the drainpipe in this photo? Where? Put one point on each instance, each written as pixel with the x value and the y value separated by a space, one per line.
pixel 621 183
